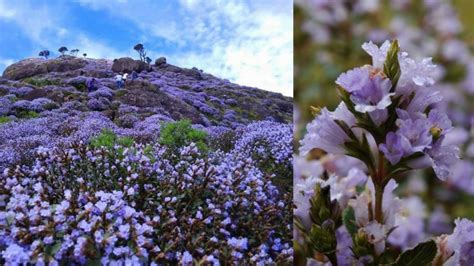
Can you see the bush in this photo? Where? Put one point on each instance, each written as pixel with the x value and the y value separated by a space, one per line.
pixel 27 114
pixel 109 139
pixel 41 82
pixel 4 119
pixel 179 134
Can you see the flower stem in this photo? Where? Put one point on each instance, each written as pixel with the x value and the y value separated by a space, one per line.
pixel 379 188
pixel 332 258
pixel 378 203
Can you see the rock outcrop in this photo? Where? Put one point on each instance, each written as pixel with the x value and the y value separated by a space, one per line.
pixel 36 66
pixel 127 65
pixel 162 91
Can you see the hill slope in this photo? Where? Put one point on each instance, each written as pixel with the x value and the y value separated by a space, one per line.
pixel 170 91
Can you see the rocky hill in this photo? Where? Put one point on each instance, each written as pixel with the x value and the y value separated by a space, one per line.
pixel 129 185
pixel 173 93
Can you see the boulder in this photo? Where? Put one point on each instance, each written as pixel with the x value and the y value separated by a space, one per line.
pixel 127 65
pixel 193 72
pixel 25 68
pixel 160 61
pixel 36 66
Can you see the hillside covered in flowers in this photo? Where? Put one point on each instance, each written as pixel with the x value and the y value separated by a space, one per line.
pixel 172 166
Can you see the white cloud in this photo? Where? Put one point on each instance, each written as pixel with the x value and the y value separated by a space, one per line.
pixel 249 45
pixel 96 49
pixel 38 22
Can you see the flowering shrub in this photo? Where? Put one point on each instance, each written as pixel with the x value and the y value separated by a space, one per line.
pixel 389 122
pixel 270 145
pixel 112 201
pixel 178 134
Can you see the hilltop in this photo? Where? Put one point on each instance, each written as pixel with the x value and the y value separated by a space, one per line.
pixel 172 92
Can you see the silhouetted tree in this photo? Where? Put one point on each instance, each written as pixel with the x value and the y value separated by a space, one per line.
pixel 62 50
pixel 148 60
pixel 44 53
pixel 141 51
pixel 74 52
pixel 85 55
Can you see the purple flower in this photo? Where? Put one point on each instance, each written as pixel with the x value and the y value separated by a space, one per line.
pixel 394 147
pixel 15 255
pixel 417 132
pixel 443 157
pixel 462 243
pixel 187 258
pixel 368 93
pixel 324 133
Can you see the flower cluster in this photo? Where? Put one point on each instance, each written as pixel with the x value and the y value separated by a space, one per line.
pixel 389 122
pixel 390 102
pixel 141 205
pixel 326 28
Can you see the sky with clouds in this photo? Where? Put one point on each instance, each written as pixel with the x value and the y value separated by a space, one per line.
pixel 248 42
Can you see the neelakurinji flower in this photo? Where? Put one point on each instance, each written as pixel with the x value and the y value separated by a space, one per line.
pixel 383 122
pixel 324 133
pixel 461 243
pixel 369 90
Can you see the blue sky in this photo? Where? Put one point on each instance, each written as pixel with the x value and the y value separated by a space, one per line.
pixel 248 42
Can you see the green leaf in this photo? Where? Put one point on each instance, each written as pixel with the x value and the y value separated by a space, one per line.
pixel 319 210
pixel 348 218
pixel 55 248
pixel 322 240
pixel 422 254
pixel 391 68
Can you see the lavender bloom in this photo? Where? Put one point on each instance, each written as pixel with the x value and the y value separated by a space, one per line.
pixel 369 92
pixel 15 255
pixel 409 224
pixel 442 158
pixel 394 147
pixel 413 74
pixel 461 242
pixel 412 136
pixel 324 133
pixel 417 132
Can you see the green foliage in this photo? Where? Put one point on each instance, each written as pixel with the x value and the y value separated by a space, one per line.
pixel 422 254
pixel 180 134
pixel 348 218
pixel 80 87
pixel 41 82
pixel 27 114
pixel 391 68
pixel 121 92
pixel 4 119
pixel 323 239
pixel 51 106
pixel 108 139
pixel 320 205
